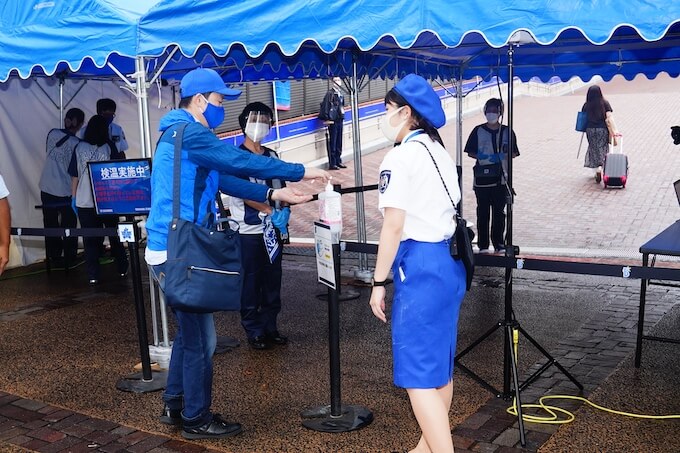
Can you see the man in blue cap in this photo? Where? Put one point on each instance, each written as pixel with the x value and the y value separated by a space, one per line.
pixel 208 164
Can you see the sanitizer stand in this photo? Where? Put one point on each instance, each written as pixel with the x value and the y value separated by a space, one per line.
pixel 336 417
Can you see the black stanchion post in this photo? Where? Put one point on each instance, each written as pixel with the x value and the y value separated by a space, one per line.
pixel 147 380
pixel 336 418
pixel 334 337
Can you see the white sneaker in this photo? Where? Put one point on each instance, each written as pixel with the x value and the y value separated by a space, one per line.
pixel 484 251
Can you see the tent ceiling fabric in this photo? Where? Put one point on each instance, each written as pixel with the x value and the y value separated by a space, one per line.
pixel 44 37
pixel 264 40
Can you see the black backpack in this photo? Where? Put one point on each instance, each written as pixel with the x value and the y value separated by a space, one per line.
pixel 329 109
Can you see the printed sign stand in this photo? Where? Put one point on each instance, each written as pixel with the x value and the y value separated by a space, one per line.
pixel 123 188
pixel 336 417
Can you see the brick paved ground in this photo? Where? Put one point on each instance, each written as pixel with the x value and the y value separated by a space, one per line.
pixel 28 425
pixel 559 211
pixel 592 352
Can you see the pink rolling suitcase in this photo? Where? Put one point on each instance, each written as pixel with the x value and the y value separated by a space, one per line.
pixel 615 171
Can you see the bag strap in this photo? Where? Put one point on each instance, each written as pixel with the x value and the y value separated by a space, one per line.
pixel 63 140
pixel 177 164
pixel 440 175
pixel 220 204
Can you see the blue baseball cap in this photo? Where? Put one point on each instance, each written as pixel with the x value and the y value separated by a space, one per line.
pixel 203 80
pixel 422 98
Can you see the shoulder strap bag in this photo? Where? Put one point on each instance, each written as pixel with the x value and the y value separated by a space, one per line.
pixel 203 272
pixel 460 245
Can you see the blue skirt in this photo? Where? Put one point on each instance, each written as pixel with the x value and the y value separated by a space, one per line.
pixel 428 289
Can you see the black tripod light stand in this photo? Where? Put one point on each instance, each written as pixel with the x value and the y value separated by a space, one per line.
pixel 509 324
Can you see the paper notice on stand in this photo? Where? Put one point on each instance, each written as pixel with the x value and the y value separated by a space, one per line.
pixel 323 246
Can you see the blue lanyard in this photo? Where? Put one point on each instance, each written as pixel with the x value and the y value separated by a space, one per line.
pixel 411 135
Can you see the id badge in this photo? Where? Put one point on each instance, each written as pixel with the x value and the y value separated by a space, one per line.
pixel 271 242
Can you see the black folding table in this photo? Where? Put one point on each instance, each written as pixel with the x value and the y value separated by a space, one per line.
pixel 665 243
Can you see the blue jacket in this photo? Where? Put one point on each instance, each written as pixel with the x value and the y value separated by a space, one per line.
pixel 207 164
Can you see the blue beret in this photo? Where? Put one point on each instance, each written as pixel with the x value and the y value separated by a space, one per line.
pixel 422 98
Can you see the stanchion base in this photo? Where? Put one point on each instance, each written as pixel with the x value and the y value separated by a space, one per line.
pixel 136 383
pixel 352 417
pixel 347 294
pixel 226 344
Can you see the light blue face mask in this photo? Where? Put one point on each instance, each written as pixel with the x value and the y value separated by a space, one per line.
pixel 213 115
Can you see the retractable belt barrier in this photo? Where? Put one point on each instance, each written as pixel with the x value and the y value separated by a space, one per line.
pixel 64 232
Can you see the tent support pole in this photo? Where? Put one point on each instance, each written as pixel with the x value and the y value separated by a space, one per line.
pixel 459 138
pixel 61 100
pixel 276 114
pixel 142 107
pixel 162 66
pixel 61 106
pixel 362 273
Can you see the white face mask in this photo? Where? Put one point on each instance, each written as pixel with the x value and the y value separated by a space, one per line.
pixel 389 131
pixel 492 118
pixel 257 131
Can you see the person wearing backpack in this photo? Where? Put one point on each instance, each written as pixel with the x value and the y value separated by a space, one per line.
pixel 55 189
pixel 332 113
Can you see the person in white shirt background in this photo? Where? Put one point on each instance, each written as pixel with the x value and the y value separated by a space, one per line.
pixel 55 189
pixel 107 108
pixel 417 191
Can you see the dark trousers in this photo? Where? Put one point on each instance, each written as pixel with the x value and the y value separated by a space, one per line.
pixel 335 143
pixel 58 213
pixel 490 203
pixel 261 296
pixel 89 219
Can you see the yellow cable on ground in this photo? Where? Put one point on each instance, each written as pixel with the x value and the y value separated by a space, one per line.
pixel 554 419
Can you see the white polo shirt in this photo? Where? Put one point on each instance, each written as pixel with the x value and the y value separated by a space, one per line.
pixel 4 192
pixel 118 137
pixel 409 181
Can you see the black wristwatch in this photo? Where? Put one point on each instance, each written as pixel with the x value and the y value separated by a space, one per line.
pixel 270 193
pixel 381 283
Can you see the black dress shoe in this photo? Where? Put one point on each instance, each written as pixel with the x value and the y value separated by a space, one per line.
pixel 342 166
pixel 332 167
pixel 214 429
pixel 171 416
pixel 276 338
pixel 259 342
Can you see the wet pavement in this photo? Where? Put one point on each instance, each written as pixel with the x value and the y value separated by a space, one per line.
pixel 65 344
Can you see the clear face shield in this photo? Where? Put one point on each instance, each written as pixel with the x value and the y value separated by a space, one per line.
pixel 258 125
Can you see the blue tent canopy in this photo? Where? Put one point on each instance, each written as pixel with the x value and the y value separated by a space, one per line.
pixel 435 38
pixel 45 37
pixel 264 40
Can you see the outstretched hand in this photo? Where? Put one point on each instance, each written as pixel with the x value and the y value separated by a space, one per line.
pixel 290 195
pixel 317 173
